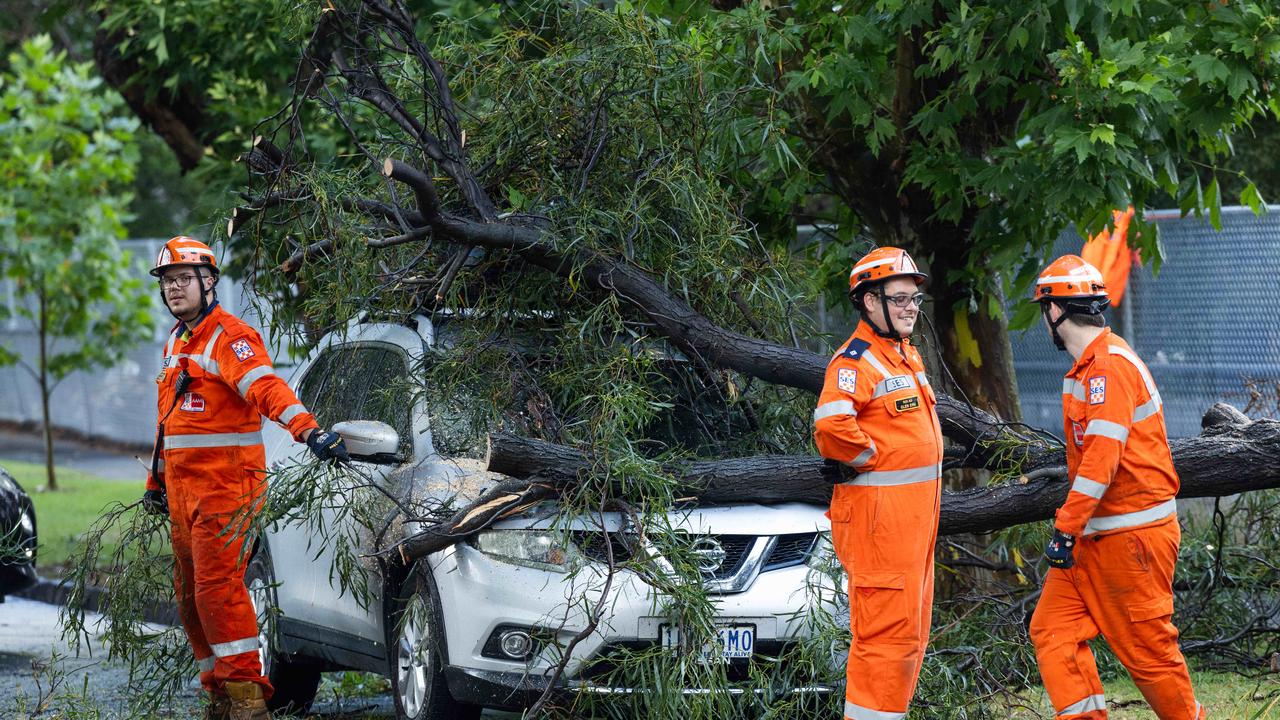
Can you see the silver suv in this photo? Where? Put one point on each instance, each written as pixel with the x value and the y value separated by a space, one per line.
pixel 482 623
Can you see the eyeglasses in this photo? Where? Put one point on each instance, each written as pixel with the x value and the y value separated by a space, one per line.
pixel 176 281
pixel 903 300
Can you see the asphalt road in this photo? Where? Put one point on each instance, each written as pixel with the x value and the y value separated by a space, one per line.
pixel 39 670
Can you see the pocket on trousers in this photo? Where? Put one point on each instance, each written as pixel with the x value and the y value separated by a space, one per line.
pixel 880 611
pixel 880 580
pixel 1151 609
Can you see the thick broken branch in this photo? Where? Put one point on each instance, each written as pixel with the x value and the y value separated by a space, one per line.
pixel 1241 457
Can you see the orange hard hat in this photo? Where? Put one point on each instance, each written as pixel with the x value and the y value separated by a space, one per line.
pixel 882 264
pixel 1069 277
pixel 184 250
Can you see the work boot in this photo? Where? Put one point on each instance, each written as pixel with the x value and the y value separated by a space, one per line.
pixel 218 708
pixel 247 701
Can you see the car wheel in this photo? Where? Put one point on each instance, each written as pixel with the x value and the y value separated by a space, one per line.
pixel 295 681
pixel 415 652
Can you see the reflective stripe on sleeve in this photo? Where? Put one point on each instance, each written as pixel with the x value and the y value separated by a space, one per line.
pixel 292 412
pixel 857 712
pixel 835 407
pixel 865 456
pixel 882 478
pixel 178 442
pixel 922 378
pixel 253 376
pixel 235 647
pixel 206 664
pixel 1092 488
pixel 1133 519
pixel 1072 387
pixel 1093 702
pixel 1108 429
pixel 1147 409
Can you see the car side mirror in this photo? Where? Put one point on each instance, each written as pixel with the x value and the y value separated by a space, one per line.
pixel 371 441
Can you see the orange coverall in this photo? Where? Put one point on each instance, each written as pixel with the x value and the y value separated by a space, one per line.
pixel 1122 511
pixel 876 413
pixel 213 469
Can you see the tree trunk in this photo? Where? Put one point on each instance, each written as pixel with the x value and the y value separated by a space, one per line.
pixel 1233 455
pixel 51 477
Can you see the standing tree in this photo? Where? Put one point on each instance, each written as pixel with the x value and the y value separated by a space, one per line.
pixel 973 133
pixel 65 156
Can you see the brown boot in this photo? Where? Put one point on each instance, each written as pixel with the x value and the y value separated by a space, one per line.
pixel 247 702
pixel 218 708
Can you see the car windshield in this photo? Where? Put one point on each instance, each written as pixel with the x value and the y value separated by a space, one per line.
pixel 694 417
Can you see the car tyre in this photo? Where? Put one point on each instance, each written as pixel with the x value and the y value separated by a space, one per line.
pixel 416 653
pixel 295 681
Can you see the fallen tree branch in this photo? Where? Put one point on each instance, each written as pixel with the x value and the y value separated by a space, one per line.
pixel 1211 465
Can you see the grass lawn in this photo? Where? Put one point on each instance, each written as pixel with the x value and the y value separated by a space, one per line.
pixel 1226 696
pixel 64 515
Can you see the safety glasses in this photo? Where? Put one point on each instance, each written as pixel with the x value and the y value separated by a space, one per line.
pixel 902 300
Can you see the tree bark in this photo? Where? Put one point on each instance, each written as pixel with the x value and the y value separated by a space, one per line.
pixel 1233 456
pixel 177 122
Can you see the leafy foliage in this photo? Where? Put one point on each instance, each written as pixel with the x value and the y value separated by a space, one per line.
pixel 1003 122
pixel 66 155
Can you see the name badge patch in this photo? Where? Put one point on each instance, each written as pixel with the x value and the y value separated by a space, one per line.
pixel 847 380
pixel 907 403
pixel 897 382
pixel 1097 390
pixel 192 402
pixel 242 349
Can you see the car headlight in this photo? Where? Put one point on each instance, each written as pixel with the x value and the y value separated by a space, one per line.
pixel 822 556
pixel 540 549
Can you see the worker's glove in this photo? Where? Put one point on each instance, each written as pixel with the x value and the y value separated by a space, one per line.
pixel 328 445
pixel 155 502
pixel 1058 551
pixel 832 472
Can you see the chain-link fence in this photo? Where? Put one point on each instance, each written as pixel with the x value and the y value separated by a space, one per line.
pixel 117 403
pixel 1208 326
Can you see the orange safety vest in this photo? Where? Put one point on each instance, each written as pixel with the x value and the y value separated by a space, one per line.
pixel 876 412
pixel 1117 447
pixel 232 385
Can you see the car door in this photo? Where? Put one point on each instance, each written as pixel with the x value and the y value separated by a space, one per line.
pixel 362 374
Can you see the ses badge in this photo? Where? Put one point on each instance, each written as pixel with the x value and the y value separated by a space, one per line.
pixel 1097 390
pixel 242 349
pixel 192 402
pixel 847 380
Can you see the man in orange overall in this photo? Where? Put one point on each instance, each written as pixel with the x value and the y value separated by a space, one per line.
pixel 208 470
pixel 1115 539
pixel 877 426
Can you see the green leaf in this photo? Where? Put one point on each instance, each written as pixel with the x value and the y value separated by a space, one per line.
pixel 1214 198
pixel 1253 199
pixel 1104 133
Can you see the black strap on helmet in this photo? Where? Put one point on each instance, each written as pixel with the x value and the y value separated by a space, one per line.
pixel 888 333
pixel 1071 306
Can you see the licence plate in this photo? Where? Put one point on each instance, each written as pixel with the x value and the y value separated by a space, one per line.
pixel 731 641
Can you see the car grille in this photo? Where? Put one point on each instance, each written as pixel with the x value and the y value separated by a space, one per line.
pixel 789 550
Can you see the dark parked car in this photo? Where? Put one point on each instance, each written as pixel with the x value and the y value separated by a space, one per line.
pixel 17 537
